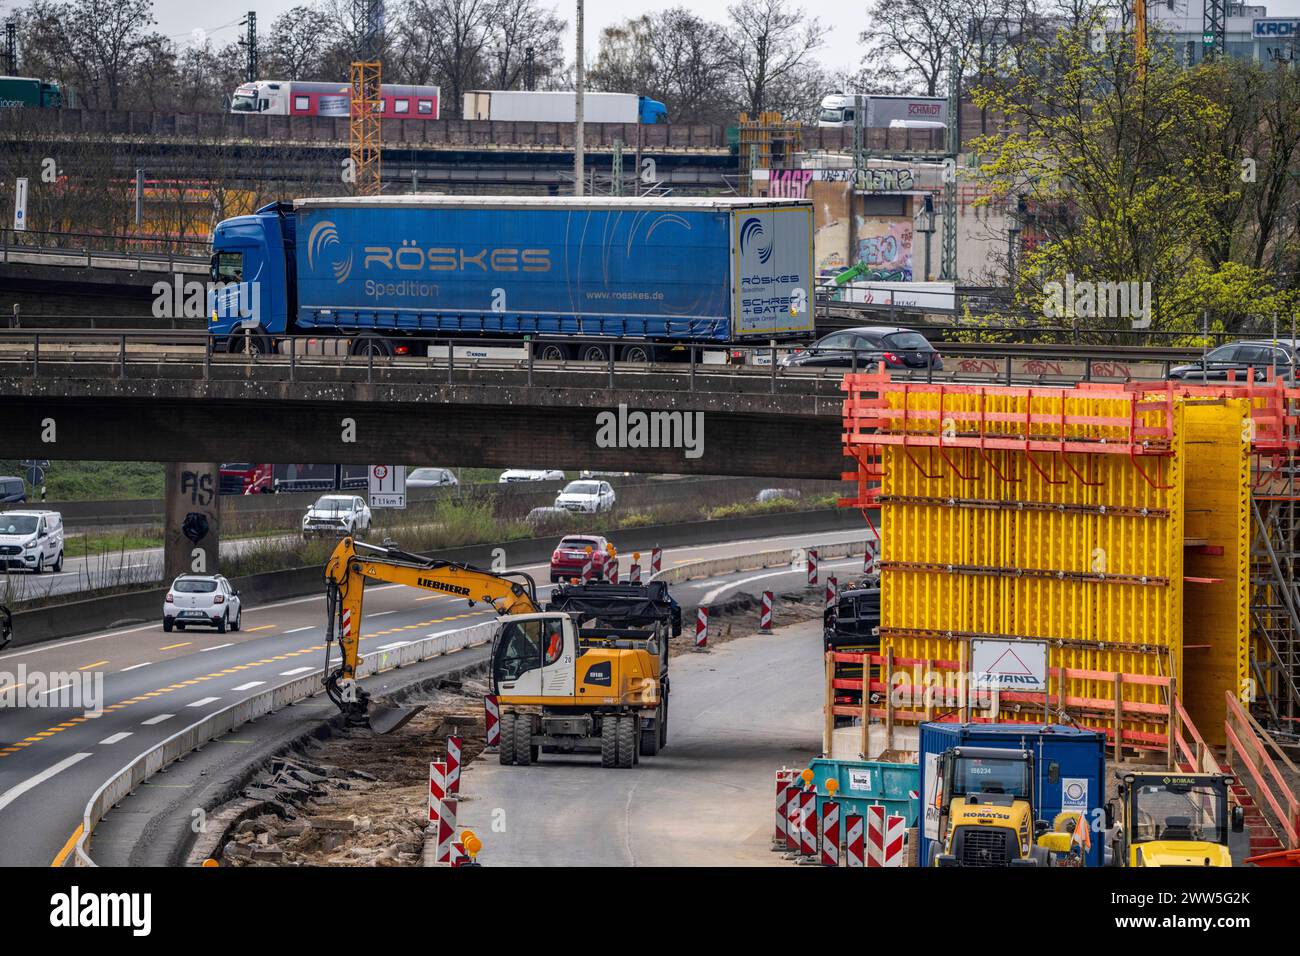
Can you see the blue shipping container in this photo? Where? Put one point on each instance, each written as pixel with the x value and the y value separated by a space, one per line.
pixel 1069 770
pixel 674 270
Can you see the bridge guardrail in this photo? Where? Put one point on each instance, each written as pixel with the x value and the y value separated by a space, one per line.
pixel 121 784
pixel 704 367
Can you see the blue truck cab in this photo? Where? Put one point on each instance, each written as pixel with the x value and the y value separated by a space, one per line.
pixel 652 111
pixel 253 282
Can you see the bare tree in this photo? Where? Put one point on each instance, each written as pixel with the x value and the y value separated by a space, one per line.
pixel 451 38
pixel 768 42
pixel 298 42
pixel 91 44
pixel 515 26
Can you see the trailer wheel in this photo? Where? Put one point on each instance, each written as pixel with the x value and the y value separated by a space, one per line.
pixel 552 352
pixel 609 742
pixel 626 730
pixel 525 753
pixel 370 345
pixel 506 748
pixel 594 353
pixel 643 354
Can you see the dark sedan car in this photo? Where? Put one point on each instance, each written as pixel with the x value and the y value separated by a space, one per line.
pixel 1243 359
pixel 870 345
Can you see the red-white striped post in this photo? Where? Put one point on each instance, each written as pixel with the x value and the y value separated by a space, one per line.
pixel 895 840
pixel 886 838
pixel 784 778
pixel 458 855
pixel 853 853
pixel 792 793
pixel 437 788
pixel 656 559
pixel 765 612
pixel 875 836
pixel 701 628
pixel 808 822
pixel 454 744
pixel 611 569
pixel 812 567
pixel 634 569
pixel 832 590
pixel 587 567
pixel 492 720
pixel 446 830
pixel 830 827
pixel 869 559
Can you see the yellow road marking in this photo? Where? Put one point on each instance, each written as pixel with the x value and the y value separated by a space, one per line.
pixel 172 647
pixel 264 627
pixel 67 847
pixel 89 666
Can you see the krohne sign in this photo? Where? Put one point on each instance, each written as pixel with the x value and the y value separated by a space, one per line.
pixel 1271 28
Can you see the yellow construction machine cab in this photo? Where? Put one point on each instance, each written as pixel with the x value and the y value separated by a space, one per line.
pixel 986 811
pixel 1175 819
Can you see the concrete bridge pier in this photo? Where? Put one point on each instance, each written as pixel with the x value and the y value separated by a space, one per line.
pixel 192 508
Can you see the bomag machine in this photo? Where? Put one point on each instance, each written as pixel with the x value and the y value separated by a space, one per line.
pixel 987 813
pixel 589 672
pixel 1174 819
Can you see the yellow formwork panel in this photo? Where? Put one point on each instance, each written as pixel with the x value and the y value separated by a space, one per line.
pixel 1216 631
pixel 1082 549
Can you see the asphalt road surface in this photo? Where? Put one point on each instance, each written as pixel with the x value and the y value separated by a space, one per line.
pixel 737 714
pixel 53 755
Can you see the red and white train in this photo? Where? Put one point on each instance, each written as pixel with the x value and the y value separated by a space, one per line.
pixel 307 98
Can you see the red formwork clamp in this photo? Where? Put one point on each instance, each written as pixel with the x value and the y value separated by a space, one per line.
pixel 701 628
pixel 656 559
pixel 812 567
pixel 830 826
pixel 454 744
pixel 853 840
pixel 784 780
pixel 634 569
pixel 446 830
pixel 492 721
pixel 437 789
pixel 765 612
pixel 832 590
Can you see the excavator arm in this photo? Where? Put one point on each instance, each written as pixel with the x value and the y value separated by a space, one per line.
pixel 355 563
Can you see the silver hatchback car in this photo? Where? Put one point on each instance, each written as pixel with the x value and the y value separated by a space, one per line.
pixel 207 600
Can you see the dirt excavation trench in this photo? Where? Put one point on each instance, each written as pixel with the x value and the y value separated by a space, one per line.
pixel 357 799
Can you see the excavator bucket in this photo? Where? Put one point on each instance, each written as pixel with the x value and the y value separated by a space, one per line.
pixel 385 718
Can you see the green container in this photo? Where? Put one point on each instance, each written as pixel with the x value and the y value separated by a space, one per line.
pixel 865 783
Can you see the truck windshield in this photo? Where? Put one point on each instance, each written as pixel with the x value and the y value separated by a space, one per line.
pixel 991 775
pixel 244 103
pixel 1179 812
pixel 831 116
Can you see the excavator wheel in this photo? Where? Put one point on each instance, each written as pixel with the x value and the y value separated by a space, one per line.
pixel 650 738
pixel 525 753
pixel 506 748
pixel 626 741
pixel 609 742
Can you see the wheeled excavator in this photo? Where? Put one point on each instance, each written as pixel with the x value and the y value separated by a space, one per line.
pixel 587 673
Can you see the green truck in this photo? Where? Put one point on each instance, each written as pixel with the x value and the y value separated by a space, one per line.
pixel 24 91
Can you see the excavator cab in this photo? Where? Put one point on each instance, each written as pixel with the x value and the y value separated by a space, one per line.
pixel 533 655
pixel 1175 819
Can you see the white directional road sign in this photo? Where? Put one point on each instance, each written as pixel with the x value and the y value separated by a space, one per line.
pixel 20 204
pixel 388 486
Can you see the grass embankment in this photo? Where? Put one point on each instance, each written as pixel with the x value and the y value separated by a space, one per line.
pixel 94 480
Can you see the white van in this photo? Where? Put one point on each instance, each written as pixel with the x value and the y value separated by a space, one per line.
pixel 32 540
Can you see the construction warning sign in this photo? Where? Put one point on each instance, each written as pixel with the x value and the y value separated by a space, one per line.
pixel 1009 665
pixel 388 486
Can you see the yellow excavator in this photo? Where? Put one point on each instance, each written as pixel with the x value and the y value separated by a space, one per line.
pixel 587 673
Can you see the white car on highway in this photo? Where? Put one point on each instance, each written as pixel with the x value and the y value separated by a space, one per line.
pixel 31 540
pixel 511 475
pixel 205 600
pixel 336 515
pixel 588 497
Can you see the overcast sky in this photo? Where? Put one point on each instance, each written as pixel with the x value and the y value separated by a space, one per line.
pixel 177 18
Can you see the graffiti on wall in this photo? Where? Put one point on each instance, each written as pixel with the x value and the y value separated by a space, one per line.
pixel 789 183
pixel 886 180
pixel 885 245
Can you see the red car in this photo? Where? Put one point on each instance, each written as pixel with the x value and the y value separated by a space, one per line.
pixel 571 554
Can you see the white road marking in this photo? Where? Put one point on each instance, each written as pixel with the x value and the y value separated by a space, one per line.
pixel 299 630
pixel 379 614
pixel 711 596
pixel 13 793
pixel 215 647
pixel 55 690
pixel 296 670
pixel 116 737
pixel 250 685
pixel 134 666
pixel 156 720
pixel 203 700
pixel 389 647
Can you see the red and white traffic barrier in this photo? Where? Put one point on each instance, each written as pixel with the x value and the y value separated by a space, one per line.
pixel 812 567
pixel 784 778
pixel 701 628
pixel 808 822
pixel 886 838
pixel 853 852
pixel 611 569
pixel 869 559
pixel 446 830
pixel 792 793
pixel 634 570
pixel 587 568
pixel 832 590
pixel 453 765
pixel 830 829
pixel 437 788
pixel 492 720
pixel 765 612
pixel 656 559
pixel 458 855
